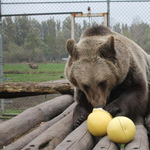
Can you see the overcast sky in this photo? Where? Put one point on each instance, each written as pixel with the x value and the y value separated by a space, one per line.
pixel 123 12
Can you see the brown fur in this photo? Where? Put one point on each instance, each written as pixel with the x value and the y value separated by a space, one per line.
pixel 109 71
pixel 96 31
pixel 33 66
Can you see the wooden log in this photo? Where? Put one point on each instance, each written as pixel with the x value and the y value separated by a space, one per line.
pixel 79 139
pixel 53 135
pixel 17 126
pixel 22 142
pixel 19 89
pixel 106 144
pixel 140 141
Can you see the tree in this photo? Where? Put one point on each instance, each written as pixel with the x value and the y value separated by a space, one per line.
pixel 58 26
pixel 78 31
pixel 27 37
pixel 146 47
pixel 138 31
pixel 51 27
pixel 85 25
pixel 44 29
pixel 126 32
pixel 48 27
pixel 117 28
pixel 51 42
pixel 31 43
pixel 8 32
pixel 60 48
pixel 9 28
pixel 35 25
pixel 67 24
pixel 23 27
pixel 16 54
pixel 44 49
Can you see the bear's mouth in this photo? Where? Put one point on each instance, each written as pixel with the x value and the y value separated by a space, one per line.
pixel 100 107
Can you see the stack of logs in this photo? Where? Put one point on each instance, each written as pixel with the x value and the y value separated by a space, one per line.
pixel 49 126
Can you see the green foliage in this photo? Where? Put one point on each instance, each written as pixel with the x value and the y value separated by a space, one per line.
pixel 122 146
pixel 67 24
pixel 117 28
pixel 51 42
pixel 22 29
pixel 15 54
pixel 31 45
pixel 139 32
pixel 26 39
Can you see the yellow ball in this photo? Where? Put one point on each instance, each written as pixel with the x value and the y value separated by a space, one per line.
pixel 97 122
pixel 121 130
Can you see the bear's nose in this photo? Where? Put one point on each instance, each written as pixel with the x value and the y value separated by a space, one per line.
pixel 98 105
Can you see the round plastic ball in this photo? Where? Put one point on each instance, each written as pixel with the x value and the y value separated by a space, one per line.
pixel 97 122
pixel 121 130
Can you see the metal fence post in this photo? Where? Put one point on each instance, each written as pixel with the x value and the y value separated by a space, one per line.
pixel 108 12
pixel 72 26
pixel 1 57
pixel 1 48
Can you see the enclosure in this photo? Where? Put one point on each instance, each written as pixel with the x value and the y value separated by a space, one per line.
pixel 32 61
pixel 35 33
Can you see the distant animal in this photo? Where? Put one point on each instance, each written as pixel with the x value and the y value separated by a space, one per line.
pixel 109 71
pixel 33 66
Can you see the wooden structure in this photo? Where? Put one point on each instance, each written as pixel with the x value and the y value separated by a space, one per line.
pixel 49 126
pixel 21 89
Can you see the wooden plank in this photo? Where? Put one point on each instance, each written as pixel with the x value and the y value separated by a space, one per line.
pixel 17 126
pixel 22 89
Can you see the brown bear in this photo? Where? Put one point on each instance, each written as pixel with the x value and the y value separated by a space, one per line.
pixel 108 71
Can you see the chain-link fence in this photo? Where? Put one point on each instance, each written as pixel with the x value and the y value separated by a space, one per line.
pixel 34 44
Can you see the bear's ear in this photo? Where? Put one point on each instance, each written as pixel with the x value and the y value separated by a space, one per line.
pixel 71 47
pixel 107 49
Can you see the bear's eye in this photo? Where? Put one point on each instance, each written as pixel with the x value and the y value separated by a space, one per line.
pixel 102 84
pixel 85 87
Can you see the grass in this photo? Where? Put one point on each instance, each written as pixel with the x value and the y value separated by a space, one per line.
pixel 52 67
pixel 122 145
pixel 22 72
pixel 11 111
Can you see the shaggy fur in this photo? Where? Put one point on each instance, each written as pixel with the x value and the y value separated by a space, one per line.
pixel 110 71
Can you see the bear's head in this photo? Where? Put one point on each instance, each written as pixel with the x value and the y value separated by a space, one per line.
pixel 92 67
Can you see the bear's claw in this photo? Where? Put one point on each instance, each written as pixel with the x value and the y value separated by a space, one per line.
pixel 79 121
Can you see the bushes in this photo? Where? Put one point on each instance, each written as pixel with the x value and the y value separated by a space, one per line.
pixel 17 54
pixel 14 54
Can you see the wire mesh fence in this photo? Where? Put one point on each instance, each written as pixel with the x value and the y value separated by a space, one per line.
pixel 34 44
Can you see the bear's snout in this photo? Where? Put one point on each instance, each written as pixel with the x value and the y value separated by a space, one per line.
pixel 98 103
